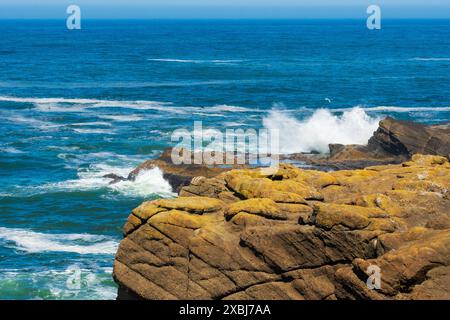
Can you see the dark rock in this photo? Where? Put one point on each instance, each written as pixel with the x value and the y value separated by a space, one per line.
pixel 335 148
pixel 405 138
pixel 115 178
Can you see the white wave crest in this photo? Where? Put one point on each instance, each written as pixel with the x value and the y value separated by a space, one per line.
pixel 32 242
pixel 216 61
pixel 77 105
pixel 430 59
pixel 147 183
pixel 396 109
pixel 11 150
pixel 321 129
pixel 94 131
pixel 82 105
pixel 121 118
pixel 94 123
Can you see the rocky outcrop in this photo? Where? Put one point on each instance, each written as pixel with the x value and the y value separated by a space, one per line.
pixel 405 138
pixel 178 175
pixel 394 142
pixel 295 234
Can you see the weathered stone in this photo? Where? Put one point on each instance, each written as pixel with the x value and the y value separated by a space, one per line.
pixel 294 234
pixel 262 207
pixel 197 205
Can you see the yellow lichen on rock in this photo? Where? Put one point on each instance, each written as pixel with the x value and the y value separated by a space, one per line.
pixel 295 234
pixel 197 205
pixel 352 217
pixel 426 160
pixel 146 210
pixel 381 201
pixel 288 191
pixel 261 207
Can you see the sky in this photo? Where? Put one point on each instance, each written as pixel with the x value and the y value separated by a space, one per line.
pixel 234 9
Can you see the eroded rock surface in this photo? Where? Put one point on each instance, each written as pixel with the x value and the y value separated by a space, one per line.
pixel 296 234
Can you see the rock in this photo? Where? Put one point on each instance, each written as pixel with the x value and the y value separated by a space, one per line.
pixel 328 216
pixel 261 207
pixel 404 138
pixel 115 178
pixel 335 149
pixel 295 234
pixel 394 142
pixel 198 205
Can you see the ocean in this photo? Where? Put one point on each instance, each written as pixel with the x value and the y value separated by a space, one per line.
pixel 78 104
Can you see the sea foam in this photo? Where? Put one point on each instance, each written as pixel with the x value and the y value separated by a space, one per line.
pixel 83 105
pixel 33 242
pixel 396 109
pixel 322 128
pixel 147 182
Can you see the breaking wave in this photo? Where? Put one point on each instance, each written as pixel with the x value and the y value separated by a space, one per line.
pixel 322 128
pixel 147 182
pixel 33 242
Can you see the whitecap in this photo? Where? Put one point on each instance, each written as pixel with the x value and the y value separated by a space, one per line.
pixel 94 131
pixel 33 242
pixel 34 123
pixel 88 124
pixel 11 150
pixel 122 118
pixel 230 108
pixel 82 105
pixel 398 109
pixel 214 61
pixel 430 59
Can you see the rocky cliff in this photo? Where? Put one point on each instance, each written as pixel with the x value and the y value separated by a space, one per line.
pixel 297 234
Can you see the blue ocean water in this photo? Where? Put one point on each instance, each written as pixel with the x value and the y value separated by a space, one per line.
pixel 75 105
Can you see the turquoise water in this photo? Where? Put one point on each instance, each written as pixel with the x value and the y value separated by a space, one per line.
pixel 75 105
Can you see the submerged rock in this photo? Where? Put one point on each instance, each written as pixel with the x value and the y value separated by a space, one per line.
pixel 114 178
pixel 296 234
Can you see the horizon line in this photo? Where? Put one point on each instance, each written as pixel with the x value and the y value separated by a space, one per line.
pixel 229 19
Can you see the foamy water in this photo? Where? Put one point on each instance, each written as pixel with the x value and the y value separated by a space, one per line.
pixel 33 242
pixel 316 132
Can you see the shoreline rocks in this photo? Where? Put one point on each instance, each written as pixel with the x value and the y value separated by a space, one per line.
pixel 297 234
pixel 394 142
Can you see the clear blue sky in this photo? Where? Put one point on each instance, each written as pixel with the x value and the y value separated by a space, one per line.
pixel 224 8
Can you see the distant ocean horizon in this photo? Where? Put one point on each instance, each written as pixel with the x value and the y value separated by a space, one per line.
pixel 76 105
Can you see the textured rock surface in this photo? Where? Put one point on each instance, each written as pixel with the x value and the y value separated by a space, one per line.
pixel 298 234
pixel 407 138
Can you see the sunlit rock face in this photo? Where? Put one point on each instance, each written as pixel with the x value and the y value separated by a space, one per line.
pixel 296 234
